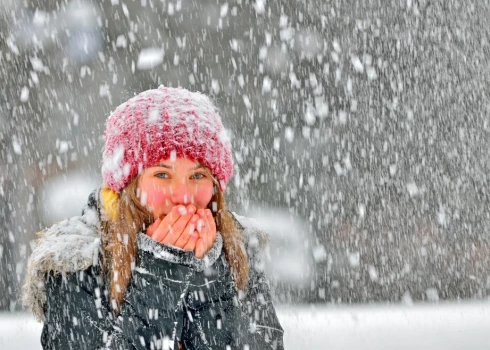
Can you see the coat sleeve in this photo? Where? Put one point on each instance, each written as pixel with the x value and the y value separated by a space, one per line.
pixel 216 318
pixel 261 313
pixel 77 315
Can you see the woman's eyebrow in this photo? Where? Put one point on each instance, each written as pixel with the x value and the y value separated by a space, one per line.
pixel 197 166
pixel 163 166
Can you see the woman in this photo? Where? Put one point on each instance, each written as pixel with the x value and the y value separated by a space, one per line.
pixel 156 261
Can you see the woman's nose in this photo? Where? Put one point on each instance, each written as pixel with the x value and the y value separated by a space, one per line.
pixel 180 193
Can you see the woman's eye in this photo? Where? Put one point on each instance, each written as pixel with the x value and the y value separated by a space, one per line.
pixel 162 175
pixel 197 176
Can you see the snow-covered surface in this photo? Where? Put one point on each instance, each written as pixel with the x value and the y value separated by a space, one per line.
pixel 443 326
pixel 433 326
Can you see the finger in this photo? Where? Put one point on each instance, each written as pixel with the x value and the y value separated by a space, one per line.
pixel 201 225
pixel 205 242
pixel 200 248
pixel 210 216
pixel 153 227
pixel 209 232
pixel 191 243
pixel 166 224
pixel 178 227
pixel 188 231
pixel 202 230
pixel 211 224
pixel 201 221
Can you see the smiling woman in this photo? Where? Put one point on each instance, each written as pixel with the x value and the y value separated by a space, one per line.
pixel 175 181
pixel 178 192
pixel 156 260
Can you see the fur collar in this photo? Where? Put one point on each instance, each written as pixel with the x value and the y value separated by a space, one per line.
pixel 68 246
pixel 74 245
pixel 176 255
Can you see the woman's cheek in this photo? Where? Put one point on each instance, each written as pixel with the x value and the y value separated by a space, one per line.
pixel 157 197
pixel 202 197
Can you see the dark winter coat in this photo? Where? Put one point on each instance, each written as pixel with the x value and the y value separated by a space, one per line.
pixel 172 295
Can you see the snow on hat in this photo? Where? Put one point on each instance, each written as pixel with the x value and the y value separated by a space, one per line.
pixel 160 124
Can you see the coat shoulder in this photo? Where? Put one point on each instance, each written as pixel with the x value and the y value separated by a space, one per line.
pixel 68 246
pixel 254 237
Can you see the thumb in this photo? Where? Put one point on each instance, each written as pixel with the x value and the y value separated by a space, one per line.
pixel 153 227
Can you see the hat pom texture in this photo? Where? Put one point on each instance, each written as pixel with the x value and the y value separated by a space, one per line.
pixel 160 124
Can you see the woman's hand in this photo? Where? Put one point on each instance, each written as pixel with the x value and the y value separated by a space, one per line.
pixel 177 228
pixel 186 229
pixel 206 227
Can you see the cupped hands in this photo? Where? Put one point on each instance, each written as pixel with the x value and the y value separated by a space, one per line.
pixel 187 228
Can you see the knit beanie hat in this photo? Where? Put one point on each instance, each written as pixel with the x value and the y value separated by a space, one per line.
pixel 160 124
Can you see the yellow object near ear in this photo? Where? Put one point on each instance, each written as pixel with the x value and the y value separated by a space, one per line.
pixel 110 199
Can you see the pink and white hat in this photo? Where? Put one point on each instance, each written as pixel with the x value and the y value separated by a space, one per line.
pixel 159 124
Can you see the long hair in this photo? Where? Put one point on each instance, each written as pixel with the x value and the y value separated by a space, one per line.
pixel 124 217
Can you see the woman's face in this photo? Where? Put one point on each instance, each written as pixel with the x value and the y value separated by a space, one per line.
pixel 175 182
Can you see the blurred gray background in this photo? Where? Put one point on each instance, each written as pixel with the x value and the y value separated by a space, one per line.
pixel 363 124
